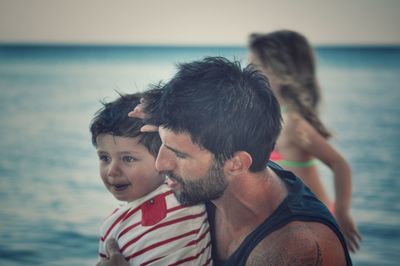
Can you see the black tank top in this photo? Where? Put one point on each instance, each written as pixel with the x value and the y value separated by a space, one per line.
pixel 300 205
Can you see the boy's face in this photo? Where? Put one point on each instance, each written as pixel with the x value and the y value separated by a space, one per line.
pixel 126 167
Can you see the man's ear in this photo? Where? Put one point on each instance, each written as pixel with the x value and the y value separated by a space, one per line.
pixel 240 162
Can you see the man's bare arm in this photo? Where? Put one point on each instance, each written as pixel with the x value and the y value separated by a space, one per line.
pixel 299 244
pixel 311 256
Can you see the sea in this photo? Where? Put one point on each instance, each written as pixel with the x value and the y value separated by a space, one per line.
pixel 52 200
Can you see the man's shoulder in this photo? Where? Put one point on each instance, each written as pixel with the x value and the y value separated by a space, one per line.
pixel 299 243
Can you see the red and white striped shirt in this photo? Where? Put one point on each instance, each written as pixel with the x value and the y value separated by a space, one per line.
pixel 157 230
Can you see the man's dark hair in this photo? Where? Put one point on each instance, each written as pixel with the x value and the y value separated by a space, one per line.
pixel 223 107
pixel 113 119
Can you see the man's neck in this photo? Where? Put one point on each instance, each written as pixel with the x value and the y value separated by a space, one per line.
pixel 246 203
pixel 250 199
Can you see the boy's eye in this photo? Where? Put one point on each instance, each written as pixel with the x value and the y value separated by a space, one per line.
pixel 129 159
pixel 104 158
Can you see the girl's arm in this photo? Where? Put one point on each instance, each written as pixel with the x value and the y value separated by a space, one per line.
pixel 312 143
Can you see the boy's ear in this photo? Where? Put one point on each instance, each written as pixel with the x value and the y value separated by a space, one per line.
pixel 240 162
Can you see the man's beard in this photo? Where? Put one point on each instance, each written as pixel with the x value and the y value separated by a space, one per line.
pixel 210 187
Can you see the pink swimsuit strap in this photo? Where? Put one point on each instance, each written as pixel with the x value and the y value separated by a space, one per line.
pixel 275 156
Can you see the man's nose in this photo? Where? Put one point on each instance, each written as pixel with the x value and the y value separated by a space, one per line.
pixel 165 160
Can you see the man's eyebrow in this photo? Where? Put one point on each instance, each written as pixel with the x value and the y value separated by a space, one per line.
pixel 177 152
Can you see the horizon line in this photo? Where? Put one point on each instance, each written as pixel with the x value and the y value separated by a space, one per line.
pixel 169 45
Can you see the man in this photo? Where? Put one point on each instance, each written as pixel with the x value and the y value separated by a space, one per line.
pixel 218 124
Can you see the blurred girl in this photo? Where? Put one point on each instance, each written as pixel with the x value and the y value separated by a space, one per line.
pixel 287 59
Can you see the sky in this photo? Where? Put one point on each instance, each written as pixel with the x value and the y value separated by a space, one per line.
pixel 197 22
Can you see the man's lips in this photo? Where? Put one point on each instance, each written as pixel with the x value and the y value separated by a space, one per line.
pixel 170 182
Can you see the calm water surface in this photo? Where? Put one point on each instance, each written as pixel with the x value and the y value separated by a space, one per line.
pixel 52 200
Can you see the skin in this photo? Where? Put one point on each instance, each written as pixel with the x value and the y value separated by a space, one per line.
pixel 300 141
pixel 298 244
pixel 196 185
pixel 126 167
pixel 115 256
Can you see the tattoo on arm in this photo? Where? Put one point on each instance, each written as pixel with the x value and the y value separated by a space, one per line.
pixel 318 258
pixel 287 257
pixel 312 257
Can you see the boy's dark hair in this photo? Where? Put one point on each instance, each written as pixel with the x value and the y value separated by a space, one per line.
pixel 223 107
pixel 113 119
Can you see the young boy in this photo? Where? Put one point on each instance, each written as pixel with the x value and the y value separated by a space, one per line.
pixel 152 228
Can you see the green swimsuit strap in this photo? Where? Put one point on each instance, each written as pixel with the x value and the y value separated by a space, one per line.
pixel 309 163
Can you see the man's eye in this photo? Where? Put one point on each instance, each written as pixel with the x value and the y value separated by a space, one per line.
pixel 129 159
pixel 180 155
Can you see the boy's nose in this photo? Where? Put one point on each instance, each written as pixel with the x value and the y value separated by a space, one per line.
pixel 114 170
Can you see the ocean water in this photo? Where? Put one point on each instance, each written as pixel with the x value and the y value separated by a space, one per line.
pixel 52 199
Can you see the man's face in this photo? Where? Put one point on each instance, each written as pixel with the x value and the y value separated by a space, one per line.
pixel 192 172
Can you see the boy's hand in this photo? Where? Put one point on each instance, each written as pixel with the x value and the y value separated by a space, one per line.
pixel 115 256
